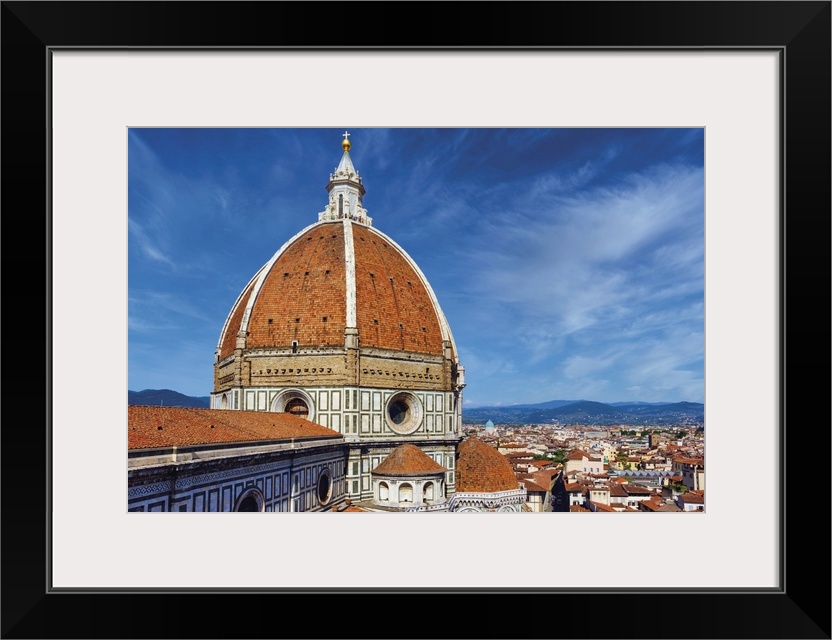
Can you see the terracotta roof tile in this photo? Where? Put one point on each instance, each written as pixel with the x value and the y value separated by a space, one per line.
pixel 544 477
pixel 531 485
pixel 617 491
pixel 303 296
pixel 160 427
pixel 482 469
pixel 577 454
pixel 637 490
pixel 394 309
pixel 305 285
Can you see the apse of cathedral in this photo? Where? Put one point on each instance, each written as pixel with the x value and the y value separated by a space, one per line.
pixel 337 385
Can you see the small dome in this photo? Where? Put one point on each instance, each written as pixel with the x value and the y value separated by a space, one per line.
pixel 408 460
pixel 489 425
pixel 481 468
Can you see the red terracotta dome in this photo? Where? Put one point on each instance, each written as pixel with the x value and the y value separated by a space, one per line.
pixel 408 460
pixel 331 276
pixel 481 468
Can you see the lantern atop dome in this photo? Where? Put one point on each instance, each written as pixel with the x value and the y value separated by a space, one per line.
pixel 346 190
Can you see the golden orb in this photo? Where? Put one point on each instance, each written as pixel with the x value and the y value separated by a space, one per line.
pixel 346 144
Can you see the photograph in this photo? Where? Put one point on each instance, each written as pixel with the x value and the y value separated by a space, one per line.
pixel 595 230
pixel 416 319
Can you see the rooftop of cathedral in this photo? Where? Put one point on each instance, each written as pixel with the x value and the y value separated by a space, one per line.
pixel 408 460
pixel 160 427
pixel 483 469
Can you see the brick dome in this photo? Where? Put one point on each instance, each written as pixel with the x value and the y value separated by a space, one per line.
pixel 331 279
pixel 482 469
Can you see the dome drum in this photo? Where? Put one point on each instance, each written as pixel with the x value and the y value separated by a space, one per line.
pixel 335 366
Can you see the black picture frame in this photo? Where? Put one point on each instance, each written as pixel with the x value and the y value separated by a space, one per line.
pixel 800 31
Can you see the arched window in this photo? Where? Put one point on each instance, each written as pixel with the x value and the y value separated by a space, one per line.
pixel 250 501
pixel 427 492
pixel 406 493
pixel 383 492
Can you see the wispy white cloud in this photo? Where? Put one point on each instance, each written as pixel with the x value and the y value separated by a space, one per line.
pixel 603 267
pixel 145 244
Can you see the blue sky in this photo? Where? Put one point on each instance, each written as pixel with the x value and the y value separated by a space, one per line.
pixel 569 262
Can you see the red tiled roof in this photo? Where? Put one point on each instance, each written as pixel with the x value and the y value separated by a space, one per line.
pixel 481 468
pixel 617 491
pixel 394 309
pixel 652 504
pixel 544 477
pixel 688 460
pixel 531 485
pixel 304 285
pixel 160 427
pixel 577 454
pixel 303 296
pixel 637 490
pixel 408 460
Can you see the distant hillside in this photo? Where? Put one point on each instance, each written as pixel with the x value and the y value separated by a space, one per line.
pixel 166 398
pixel 591 413
pixel 559 411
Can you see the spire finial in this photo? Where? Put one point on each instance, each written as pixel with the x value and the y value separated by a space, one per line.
pixel 345 190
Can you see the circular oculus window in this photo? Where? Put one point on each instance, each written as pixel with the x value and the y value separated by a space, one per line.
pixel 324 487
pixel 403 413
pixel 296 402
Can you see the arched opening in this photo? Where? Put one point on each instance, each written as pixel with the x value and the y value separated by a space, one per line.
pixel 383 492
pixel 428 492
pixel 224 402
pixel 406 493
pixel 250 502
